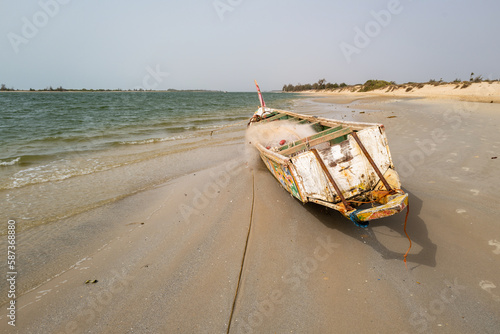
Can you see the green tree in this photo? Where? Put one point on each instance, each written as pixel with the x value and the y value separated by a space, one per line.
pixel 321 84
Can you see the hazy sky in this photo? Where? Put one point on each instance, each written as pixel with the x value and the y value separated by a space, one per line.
pixel 226 44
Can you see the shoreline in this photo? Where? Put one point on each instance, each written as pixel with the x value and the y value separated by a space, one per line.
pixel 486 92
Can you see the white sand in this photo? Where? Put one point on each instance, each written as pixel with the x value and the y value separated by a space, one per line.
pixel 476 92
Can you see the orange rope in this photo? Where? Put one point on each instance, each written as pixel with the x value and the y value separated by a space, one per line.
pixel 406 220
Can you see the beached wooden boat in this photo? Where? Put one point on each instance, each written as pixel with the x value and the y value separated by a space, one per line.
pixel 345 166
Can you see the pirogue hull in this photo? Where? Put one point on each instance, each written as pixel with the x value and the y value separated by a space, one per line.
pixel 342 165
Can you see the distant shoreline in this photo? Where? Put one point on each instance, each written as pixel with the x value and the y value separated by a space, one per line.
pixel 110 90
pixel 487 92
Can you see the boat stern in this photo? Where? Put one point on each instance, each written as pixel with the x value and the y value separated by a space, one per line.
pixel 390 205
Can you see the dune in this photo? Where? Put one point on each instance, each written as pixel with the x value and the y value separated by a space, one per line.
pixel 488 92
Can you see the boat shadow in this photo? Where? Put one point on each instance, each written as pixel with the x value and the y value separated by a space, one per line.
pixel 416 229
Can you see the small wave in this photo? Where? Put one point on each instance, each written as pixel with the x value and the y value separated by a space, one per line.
pixel 153 140
pixel 10 163
pixel 55 171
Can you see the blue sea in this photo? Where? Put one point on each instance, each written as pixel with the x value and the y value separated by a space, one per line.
pixel 62 153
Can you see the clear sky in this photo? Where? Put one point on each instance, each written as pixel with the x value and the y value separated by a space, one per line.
pixel 226 44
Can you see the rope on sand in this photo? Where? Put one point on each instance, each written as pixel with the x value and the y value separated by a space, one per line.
pixel 244 255
pixel 353 219
pixel 406 220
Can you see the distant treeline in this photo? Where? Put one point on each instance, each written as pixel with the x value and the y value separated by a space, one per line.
pixel 3 87
pixel 380 84
pixel 321 84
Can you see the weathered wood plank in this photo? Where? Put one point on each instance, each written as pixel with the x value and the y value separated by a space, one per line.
pixel 273 118
pixel 314 142
pixel 303 140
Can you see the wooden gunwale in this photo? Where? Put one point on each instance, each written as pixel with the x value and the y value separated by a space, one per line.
pixel 306 139
pixel 327 122
pixel 313 142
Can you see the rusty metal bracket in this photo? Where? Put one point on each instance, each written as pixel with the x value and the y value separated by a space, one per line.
pixel 332 181
pixel 375 167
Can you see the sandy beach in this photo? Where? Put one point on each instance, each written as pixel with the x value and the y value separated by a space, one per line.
pixel 488 92
pixel 226 249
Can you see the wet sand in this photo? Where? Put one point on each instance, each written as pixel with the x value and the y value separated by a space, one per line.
pixel 227 244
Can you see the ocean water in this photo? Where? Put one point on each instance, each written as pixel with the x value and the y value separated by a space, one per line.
pixel 64 153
